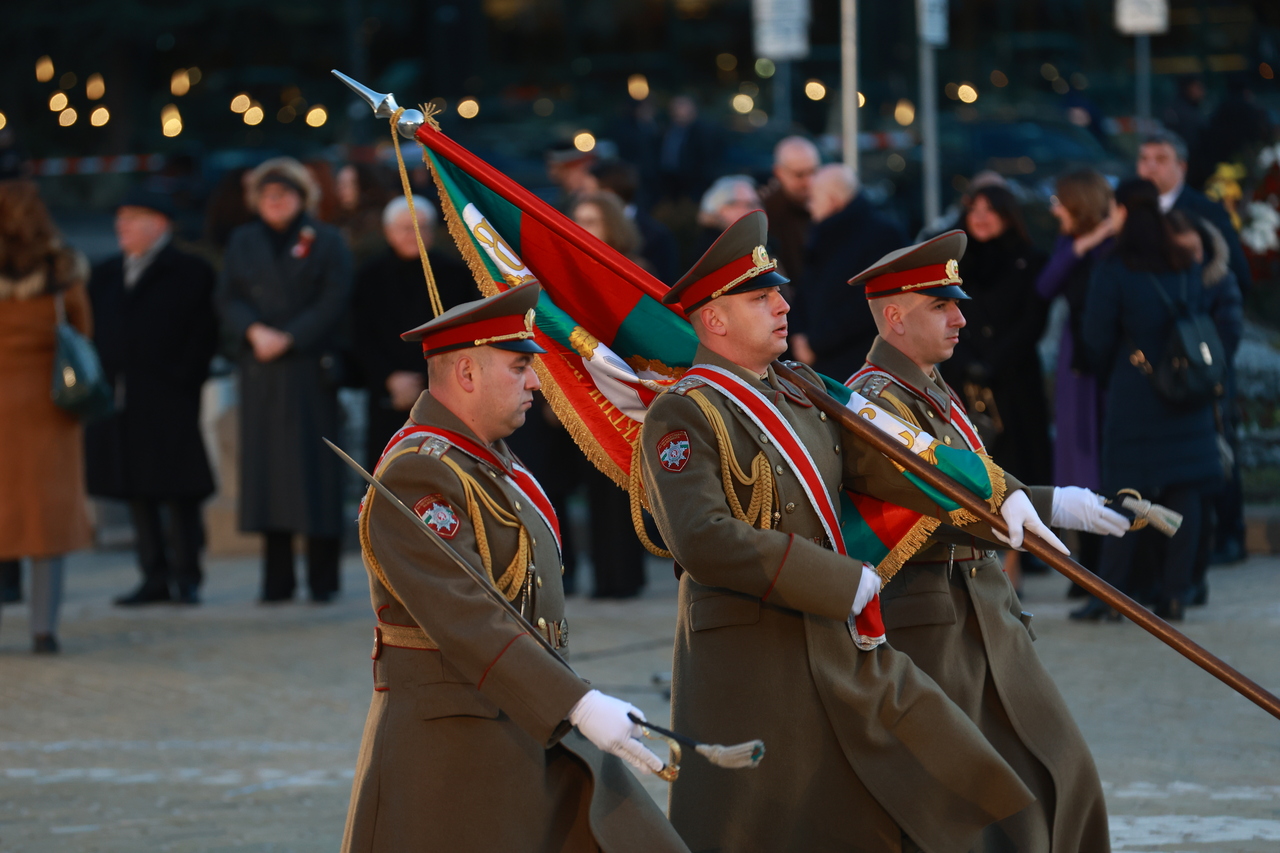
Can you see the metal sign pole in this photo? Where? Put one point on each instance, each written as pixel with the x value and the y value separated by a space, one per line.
pixel 929 133
pixel 1142 74
pixel 849 82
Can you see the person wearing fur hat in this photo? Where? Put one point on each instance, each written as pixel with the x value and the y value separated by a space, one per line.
pixel 283 293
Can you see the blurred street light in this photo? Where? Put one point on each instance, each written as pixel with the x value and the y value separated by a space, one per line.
pixel 998 79
pixel 743 103
pixel 905 112
pixel 179 83
pixel 170 120
pixel 67 117
pixel 99 117
pixel 317 116
pixel 765 68
pixel 814 90
pixel 94 87
pixel 758 118
pixel 253 115
pixel 240 103
pixel 4 119
pixel 967 93
pixel 638 87
pixel 58 102
pixel 468 108
pixel 44 69
pixel 584 141
pixel 726 61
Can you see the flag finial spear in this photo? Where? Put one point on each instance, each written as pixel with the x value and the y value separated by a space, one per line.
pixel 385 106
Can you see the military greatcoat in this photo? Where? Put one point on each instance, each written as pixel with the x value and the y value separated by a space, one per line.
pixel 862 747
pixel 953 611
pixel 467 747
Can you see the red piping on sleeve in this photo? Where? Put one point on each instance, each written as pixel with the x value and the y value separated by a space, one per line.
pixel 480 683
pixel 781 563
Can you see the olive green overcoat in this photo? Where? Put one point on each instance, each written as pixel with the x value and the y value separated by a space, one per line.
pixel 965 627
pixel 862 747
pixel 466 746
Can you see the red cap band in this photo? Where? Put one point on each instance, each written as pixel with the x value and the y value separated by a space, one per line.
pixel 919 278
pixel 511 327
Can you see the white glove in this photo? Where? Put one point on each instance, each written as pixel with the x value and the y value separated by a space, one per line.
pixel 603 720
pixel 868 588
pixel 1075 508
pixel 1020 515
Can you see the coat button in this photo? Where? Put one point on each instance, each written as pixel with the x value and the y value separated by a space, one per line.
pixel 822 416
pixel 534 541
pixel 538 581
pixel 929 413
pixel 778 469
pixel 946 439
pixel 973 572
pixel 542 623
pixel 562 570
pixel 836 448
pixel 764 439
pixel 517 506
pixel 791 507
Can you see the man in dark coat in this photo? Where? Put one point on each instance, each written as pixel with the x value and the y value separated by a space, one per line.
pixel 1162 160
pixel 156 330
pixel 389 288
pixel 833 326
pixel 283 294
pixel 786 201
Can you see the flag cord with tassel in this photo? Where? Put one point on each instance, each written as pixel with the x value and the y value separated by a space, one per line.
pixel 437 307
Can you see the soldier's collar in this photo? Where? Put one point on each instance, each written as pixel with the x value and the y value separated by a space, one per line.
pixel 892 360
pixel 429 411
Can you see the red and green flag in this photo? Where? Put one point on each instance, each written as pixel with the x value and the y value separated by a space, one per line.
pixel 612 346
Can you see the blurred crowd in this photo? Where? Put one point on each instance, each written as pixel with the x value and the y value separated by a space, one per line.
pixel 304 277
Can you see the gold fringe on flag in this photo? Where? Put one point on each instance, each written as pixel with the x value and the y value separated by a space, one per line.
pixel 437 307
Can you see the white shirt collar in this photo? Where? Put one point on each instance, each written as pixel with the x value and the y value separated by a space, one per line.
pixel 1167 199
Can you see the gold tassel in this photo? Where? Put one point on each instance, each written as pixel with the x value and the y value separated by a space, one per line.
pixel 635 491
pixel 437 307
pixel 759 510
pixel 915 539
pixel 510 582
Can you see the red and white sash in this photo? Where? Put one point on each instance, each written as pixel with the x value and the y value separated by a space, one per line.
pixel 516 475
pixel 955 414
pixel 869 625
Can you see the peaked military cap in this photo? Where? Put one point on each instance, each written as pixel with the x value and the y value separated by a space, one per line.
pixel 735 263
pixel 504 321
pixel 931 267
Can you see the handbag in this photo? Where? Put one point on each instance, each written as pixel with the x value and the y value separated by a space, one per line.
pixel 1192 365
pixel 79 385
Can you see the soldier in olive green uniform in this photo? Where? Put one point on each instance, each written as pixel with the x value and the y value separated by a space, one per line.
pixel 470 743
pixel 865 753
pixel 951 608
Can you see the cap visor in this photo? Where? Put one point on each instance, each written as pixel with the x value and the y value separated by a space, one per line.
pixel 527 345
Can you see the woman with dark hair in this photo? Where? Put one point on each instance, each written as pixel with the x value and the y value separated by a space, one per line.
pixel 996 363
pixel 1167 453
pixel 44 514
pixel 283 294
pixel 362 192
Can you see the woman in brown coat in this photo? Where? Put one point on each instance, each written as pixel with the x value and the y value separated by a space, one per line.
pixel 41 455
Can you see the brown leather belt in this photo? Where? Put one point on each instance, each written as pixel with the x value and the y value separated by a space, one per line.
pixel 413 637
pixel 963 554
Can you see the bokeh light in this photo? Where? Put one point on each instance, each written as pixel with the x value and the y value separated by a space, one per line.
pixel 67 117
pixel 317 116
pixel 638 86
pixel 726 61
pixel 998 79
pixel 468 108
pixel 58 102
pixel 253 115
pixel 743 103
pixel 904 113
pixel 44 69
pixel 544 107
pixel 240 103
pixel 94 87
pixel 99 117
pixel 179 83
pixel 967 93
pixel 765 67
pixel 814 90
pixel 584 141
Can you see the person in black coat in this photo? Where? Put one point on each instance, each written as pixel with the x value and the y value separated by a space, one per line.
pixel 1167 453
pixel 832 327
pixel 156 331
pixel 996 366
pixel 283 294
pixel 390 296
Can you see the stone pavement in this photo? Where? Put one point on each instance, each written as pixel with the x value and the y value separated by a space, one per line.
pixel 236 726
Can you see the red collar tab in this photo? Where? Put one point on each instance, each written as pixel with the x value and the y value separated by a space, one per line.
pixel 510 327
pixel 919 278
pixel 725 279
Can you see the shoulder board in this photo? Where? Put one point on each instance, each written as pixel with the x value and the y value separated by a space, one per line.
pixel 872 385
pixel 435 446
pixel 684 386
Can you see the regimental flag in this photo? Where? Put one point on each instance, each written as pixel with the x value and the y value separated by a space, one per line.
pixel 612 346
